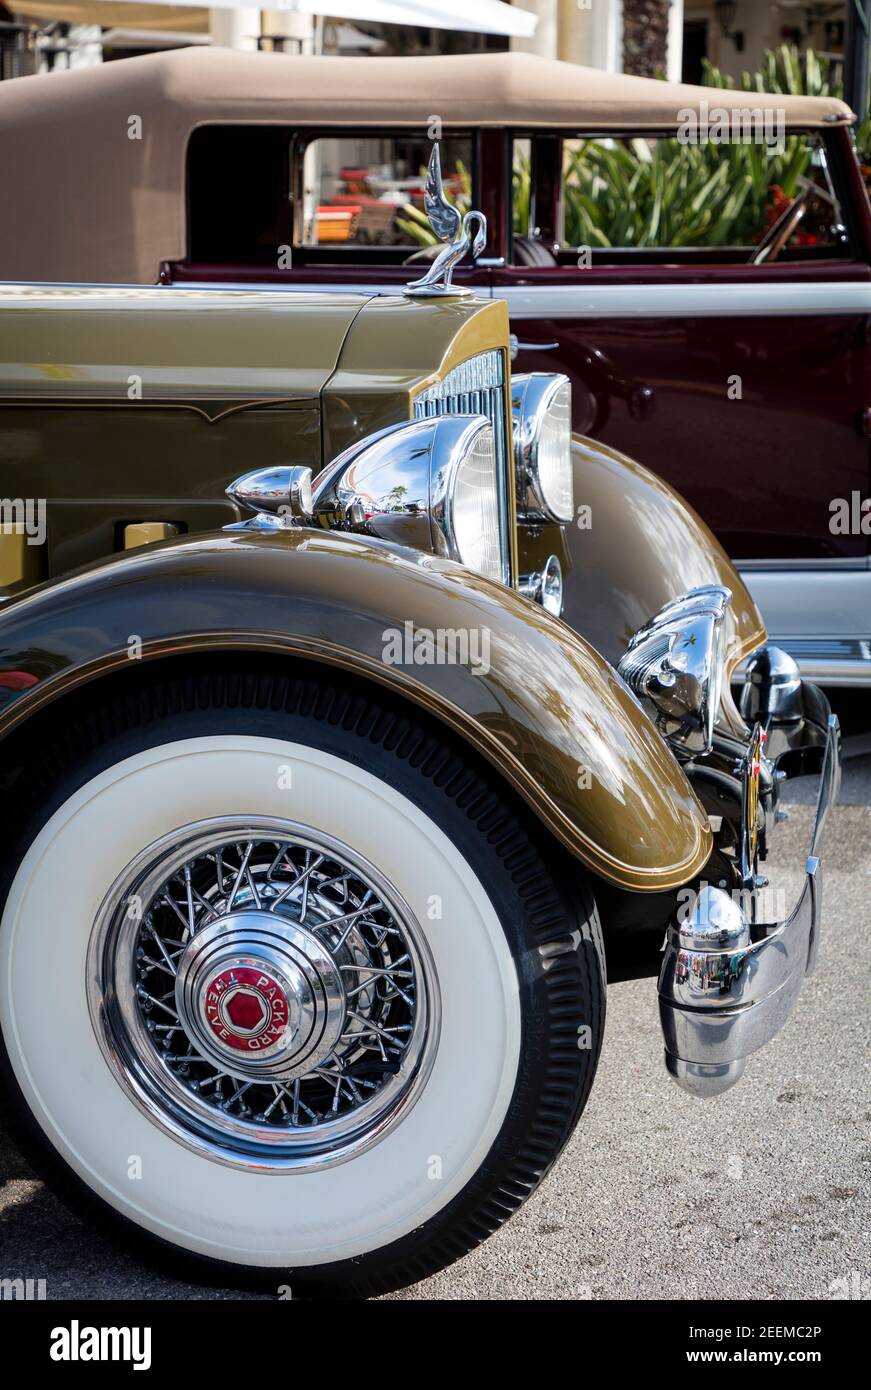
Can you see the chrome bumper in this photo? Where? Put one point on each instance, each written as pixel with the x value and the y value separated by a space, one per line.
pixel 727 986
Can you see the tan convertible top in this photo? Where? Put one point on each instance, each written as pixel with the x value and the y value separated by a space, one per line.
pixel 83 201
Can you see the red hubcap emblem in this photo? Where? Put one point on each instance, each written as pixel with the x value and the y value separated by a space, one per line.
pixel 246 1008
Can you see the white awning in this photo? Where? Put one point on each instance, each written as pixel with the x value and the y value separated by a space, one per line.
pixel 472 16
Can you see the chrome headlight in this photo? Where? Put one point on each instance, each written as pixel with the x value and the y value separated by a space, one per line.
pixel 541 406
pixel 431 483
pixel 676 661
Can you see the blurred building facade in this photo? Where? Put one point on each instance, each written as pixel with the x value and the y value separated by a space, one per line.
pixel 653 38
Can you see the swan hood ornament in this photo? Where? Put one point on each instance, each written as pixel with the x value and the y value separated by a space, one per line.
pixel 451 227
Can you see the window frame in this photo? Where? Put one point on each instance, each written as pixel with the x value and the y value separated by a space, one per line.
pixel 547 204
pixel 305 254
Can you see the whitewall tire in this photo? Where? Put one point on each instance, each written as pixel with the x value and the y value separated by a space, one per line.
pixel 409 1161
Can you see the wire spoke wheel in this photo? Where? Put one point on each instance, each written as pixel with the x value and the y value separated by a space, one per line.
pixel 263 993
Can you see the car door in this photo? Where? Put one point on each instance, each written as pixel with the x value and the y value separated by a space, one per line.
pixel 745 385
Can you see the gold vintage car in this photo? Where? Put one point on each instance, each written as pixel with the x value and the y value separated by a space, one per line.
pixel 323 831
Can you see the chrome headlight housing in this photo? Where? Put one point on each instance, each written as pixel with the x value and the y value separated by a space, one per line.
pixel 676 661
pixel 432 484
pixel 541 408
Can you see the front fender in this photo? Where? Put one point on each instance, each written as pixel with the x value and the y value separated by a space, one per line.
pixel 639 546
pixel 530 695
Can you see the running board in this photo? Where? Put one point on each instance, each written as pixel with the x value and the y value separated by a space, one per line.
pixel 831 660
pixel 820 612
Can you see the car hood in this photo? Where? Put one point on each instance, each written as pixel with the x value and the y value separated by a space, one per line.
pixel 219 346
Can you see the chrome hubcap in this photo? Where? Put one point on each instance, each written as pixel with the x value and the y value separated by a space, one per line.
pixel 259 996
pixel 263 993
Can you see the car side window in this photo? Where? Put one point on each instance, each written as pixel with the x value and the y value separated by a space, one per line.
pixel 252 191
pixel 367 191
pixel 238 195
pixel 639 197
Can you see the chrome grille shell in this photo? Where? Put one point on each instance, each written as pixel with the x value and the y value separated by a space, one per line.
pixel 477 387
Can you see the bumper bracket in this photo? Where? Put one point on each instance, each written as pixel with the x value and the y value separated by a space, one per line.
pixel 727 987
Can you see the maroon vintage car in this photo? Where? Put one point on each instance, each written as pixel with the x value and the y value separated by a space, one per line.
pixel 698 261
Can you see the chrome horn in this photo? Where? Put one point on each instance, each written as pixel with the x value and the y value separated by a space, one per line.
pixel 449 226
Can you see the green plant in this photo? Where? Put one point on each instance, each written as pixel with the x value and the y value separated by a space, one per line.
pixel 522 185
pixel 787 70
pixel 415 226
pixel 664 192
pixel 783 69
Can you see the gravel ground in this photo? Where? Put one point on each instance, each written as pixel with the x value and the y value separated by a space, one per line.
pixel 762 1192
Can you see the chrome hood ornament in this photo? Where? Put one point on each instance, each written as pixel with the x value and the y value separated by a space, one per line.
pixel 451 227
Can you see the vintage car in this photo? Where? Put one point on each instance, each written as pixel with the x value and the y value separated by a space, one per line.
pixel 323 832
pixel 325 828
pixel 696 261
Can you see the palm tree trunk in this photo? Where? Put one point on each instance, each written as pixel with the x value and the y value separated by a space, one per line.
pixel 645 37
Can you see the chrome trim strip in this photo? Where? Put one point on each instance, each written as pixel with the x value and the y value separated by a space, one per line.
pixel 805 564
pixel 830 671
pixel 831 648
pixel 834 661
pixel 162 298
pixel 565 301
pixel 384 290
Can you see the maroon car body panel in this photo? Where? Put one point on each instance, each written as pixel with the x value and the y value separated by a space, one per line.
pixel 657 388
